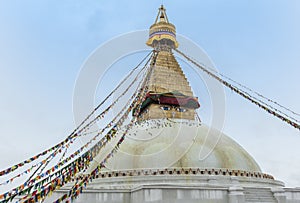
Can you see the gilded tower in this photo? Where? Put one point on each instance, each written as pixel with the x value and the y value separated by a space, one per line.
pixel 169 93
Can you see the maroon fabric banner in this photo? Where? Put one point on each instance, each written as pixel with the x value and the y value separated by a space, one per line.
pixel 173 98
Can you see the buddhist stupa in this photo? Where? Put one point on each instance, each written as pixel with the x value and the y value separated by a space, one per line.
pixel 160 160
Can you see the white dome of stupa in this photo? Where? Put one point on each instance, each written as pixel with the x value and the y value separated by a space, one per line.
pixel 175 143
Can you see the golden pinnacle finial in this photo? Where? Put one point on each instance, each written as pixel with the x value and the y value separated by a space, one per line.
pixel 162 16
pixel 162 35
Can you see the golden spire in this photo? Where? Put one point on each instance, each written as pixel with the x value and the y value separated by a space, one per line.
pixel 169 93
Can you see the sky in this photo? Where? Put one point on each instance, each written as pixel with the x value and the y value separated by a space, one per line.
pixel 44 44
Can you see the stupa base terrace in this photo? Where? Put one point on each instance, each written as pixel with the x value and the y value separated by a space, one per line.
pixel 176 185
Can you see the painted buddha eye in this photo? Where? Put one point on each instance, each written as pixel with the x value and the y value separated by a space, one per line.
pixel 180 109
pixel 165 108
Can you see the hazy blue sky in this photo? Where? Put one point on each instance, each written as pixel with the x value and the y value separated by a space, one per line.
pixel 43 44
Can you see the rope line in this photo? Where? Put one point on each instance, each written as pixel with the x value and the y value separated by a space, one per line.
pixel 94 150
pixel 21 164
pixel 247 88
pixel 241 93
